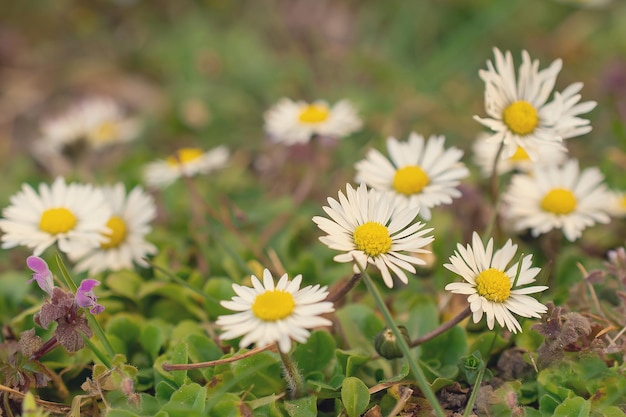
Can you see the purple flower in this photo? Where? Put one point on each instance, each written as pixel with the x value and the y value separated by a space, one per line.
pixel 85 297
pixel 42 273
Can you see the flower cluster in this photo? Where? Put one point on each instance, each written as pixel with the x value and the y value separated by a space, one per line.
pixel 100 228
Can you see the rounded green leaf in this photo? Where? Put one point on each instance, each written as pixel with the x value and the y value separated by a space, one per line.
pixel 355 396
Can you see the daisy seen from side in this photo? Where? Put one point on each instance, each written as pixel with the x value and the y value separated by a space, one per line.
pixel 518 111
pixel 126 243
pixel 557 197
pixel 486 151
pixel 419 173
pixel 617 204
pixel 493 285
pixel 96 121
pixel 370 227
pixel 71 215
pixel 292 122
pixel 184 162
pixel 268 313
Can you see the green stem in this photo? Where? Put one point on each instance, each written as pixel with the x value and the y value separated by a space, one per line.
pixel 103 358
pixel 472 399
pixel 95 326
pixel 66 276
pixel 415 369
pixel 292 375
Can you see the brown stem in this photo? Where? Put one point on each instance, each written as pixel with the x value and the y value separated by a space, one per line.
pixel 439 330
pixel 341 292
pixel 45 348
pixel 198 365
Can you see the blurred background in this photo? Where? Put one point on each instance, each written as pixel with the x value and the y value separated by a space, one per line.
pixel 201 73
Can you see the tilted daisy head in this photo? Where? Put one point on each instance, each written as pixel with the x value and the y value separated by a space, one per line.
pixel 419 173
pixel 617 204
pixel 184 162
pixel 96 122
pixel 371 228
pixel 124 243
pixel 292 122
pixel 71 215
pixel 271 313
pixel 518 109
pixel 493 285
pixel 557 197
pixel 486 151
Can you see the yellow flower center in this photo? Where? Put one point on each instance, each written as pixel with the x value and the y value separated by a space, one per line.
pixel 117 235
pixel 520 155
pixel 273 305
pixel 559 201
pixel 184 156
pixel 57 220
pixel 105 132
pixel 372 238
pixel 521 117
pixel 410 179
pixel 494 285
pixel 314 113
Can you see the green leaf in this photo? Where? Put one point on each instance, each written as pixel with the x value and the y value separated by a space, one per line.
pixel 179 355
pixel 217 289
pixel 573 407
pixel 125 327
pixel 446 348
pixel 355 396
pixel 351 361
pixel 302 407
pixel 125 283
pixel 360 326
pixel 486 345
pixel 189 397
pixel 153 337
pixel 260 374
pixel 316 353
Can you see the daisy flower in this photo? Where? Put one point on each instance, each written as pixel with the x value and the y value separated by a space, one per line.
pixel 557 197
pixel 268 313
pixel 518 109
pixel 184 162
pixel 125 243
pixel 97 121
pixel 492 283
pixel 71 215
pixel 371 228
pixel 292 122
pixel 420 173
pixel 486 151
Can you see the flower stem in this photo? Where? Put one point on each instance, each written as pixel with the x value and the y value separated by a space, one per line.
pixel 99 331
pixel 441 329
pixel 472 399
pixel 292 376
pixel 46 348
pixel 103 358
pixel 422 383
pixel 339 294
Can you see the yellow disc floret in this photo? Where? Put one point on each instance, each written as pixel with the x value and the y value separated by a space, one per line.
pixel 521 117
pixel 494 285
pixel 184 155
pixel 559 201
pixel 410 179
pixel 117 235
pixel 372 238
pixel 314 113
pixel 520 155
pixel 273 305
pixel 105 132
pixel 57 220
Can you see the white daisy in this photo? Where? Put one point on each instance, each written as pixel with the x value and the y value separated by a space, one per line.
pixel 269 313
pixel 372 228
pixel 492 283
pixel 129 224
pixel 97 121
pixel 421 173
pixel 485 152
pixel 184 162
pixel 559 197
pixel 292 122
pixel 71 215
pixel 617 204
pixel 518 110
